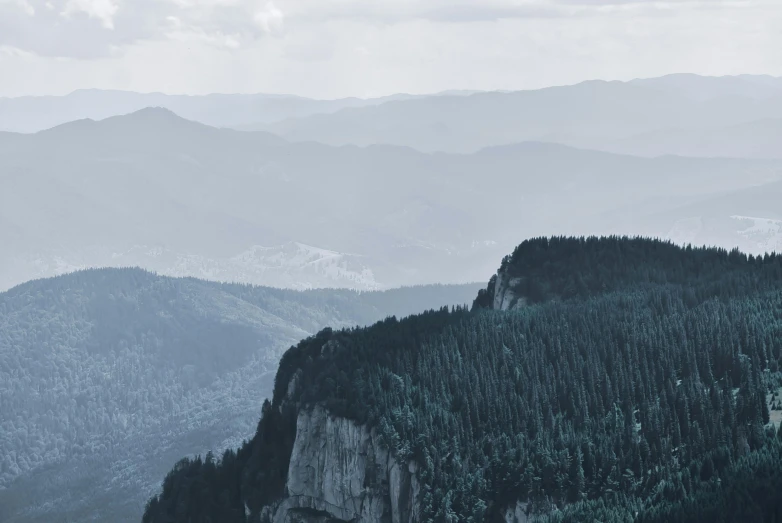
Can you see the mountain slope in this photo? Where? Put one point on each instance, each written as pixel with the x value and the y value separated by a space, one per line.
pixel 34 113
pixel 636 401
pixel 108 376
pixel 758 139
pixel 747 218
pixel 255 111
pixel 590 114
pixel 154 190
pixel 705 88
pixel 150 127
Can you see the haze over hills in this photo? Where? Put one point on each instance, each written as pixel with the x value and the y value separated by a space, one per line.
pixel 750 218
pixel 756 139
pixel 602 115
pixel 182 198
pixel 108 377
pixel 240 241
pixel 30 114
pixel 593 114
pixel 705 88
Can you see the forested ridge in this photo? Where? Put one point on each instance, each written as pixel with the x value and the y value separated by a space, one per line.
pixel 646 397
pixel 105 368
pixel 546 269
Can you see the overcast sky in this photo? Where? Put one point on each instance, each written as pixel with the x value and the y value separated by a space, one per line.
pixel 334 48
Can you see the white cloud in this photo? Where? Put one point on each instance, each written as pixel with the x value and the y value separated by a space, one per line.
pixel 14 52
pixel 23 5
pixel 90 29
pixel 269 18
pixel 103 10
pixel 195 34
pixel 332 48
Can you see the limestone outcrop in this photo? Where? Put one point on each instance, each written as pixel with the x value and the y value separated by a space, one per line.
pixel 340 471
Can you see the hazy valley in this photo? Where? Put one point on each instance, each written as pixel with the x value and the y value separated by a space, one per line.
pixel 182 198
pixel 110 376
pixel 271 223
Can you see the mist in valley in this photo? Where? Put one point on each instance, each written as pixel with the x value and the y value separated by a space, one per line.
pixel 244 244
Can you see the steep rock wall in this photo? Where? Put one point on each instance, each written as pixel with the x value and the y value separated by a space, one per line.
pixel 517 513
pixel 504 296
pixel 340 471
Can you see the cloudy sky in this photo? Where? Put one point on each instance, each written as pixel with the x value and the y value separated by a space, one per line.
pixel 333 48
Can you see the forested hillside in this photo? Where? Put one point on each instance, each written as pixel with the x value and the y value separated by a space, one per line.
pixel 550 269
pixel 115 373
pixel 640 384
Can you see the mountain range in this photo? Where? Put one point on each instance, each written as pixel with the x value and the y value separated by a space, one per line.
pixel 29 114
pixel 109 376
pixel 604 379
pixel 639 371
pixel 152 189
pixel 623 117
pixel 685 114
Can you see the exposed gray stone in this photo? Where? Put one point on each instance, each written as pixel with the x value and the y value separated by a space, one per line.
pixel 504 296
pixel 340 471
pixel 517 513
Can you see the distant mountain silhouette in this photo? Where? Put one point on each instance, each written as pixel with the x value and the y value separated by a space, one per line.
pixel 703 88
pixel 182 198
pixel 590 114
pixel 34 113
pixel 146 126
pixel 757 139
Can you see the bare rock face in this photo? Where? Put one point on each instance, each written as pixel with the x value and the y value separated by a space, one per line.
pixel 517 513
pixel 339 471
pixel 504 296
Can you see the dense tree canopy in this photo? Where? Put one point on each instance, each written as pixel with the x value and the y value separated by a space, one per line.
pixel 100 362
pixel 544 269
pixel 636 388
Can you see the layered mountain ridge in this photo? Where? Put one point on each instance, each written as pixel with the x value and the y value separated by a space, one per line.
pixel 182 198
pixel 627 117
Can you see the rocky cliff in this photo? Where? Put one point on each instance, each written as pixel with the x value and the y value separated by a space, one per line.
pixel 502 293
pixel 505 295
pixel 340 471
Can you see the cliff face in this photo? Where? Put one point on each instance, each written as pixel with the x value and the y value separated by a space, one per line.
pixel 517 513
pixel 505 297
pixel 339 471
